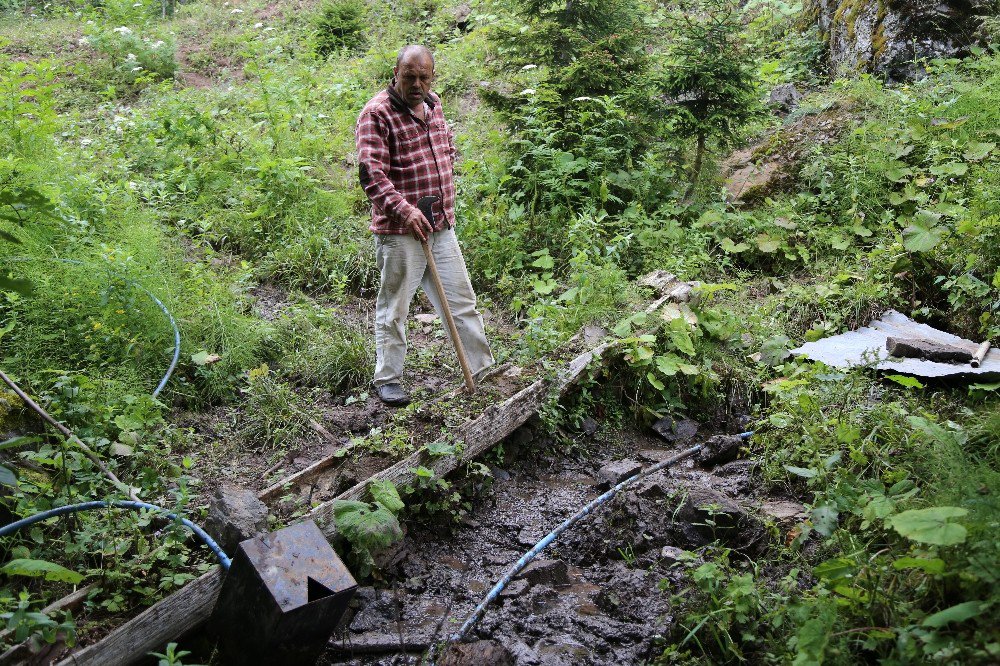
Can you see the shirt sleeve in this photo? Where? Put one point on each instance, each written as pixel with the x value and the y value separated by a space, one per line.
pixel 372 139
pixel 451 144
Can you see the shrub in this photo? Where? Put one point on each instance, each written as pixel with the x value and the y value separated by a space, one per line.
pixel 339 25
pixel 134 58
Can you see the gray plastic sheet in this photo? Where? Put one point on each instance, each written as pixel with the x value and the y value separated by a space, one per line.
pixel 866 346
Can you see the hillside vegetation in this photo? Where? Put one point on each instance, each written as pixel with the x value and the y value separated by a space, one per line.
pixel 203 153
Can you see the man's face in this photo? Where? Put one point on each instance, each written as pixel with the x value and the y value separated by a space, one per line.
pixel 414 77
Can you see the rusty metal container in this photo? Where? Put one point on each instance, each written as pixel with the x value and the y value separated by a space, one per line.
pixel 282 598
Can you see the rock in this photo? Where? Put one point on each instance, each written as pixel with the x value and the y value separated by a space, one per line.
pixel 589 427
pixel 462 14
pixel 891 37
pixel 426 318
pixel 705 515
pixel 785 97
pixel 480 653
pixel 522 436
pixel 784 511
pixel 653 455
pixel 677 432
pixel 719 449
pixel 546 572
pixel 235 515
pixel 736 468
pixel 515 589
pixel 672 553
pixel 616 472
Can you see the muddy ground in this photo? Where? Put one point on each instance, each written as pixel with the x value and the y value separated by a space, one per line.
pixel 594 596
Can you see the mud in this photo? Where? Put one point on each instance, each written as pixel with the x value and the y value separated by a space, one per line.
pixel 593 597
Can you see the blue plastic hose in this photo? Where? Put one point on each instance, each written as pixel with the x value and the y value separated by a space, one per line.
pixel 525 559
pixel 133 283
pixel 9 529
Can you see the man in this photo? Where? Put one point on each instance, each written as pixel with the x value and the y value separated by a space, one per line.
pixel 407 151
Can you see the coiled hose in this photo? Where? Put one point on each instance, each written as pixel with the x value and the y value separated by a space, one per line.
pixel 9 529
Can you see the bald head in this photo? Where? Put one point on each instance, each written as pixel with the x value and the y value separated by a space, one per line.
pixel 414 74
pixel 414 51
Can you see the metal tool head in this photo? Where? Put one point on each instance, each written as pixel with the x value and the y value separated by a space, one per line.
pixel 425 205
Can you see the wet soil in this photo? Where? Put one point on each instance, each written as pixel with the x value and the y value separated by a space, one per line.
pixel 593 597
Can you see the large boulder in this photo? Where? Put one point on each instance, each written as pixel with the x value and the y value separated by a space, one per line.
pixel 890 37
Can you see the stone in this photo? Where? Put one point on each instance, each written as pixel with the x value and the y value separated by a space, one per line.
pixel 462 14
pixel 890 38
pixel 785 97
pixel 589 427
pixel 616 472
pixel 546 572
pixel 719 449
pixel 515 589
pixel 426 318
pixel 479 653
pixel 522 436
pixel 676 432
pixel 672 553
pixel 784 511
pixel 235 515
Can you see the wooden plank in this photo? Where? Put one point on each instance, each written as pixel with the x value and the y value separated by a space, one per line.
pixel 154 627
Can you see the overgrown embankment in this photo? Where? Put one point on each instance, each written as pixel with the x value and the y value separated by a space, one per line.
pixel 204 152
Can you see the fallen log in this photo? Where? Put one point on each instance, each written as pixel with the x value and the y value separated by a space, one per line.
pixel 187 608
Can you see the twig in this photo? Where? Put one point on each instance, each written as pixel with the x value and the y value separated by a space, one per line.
pixel 70 436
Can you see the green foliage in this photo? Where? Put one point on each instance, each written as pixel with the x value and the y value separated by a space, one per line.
pixel 171 657
pixel 25 623
pixel 135 59
pixel 41 569
pixel 588 48
pixel 318 348
pixel 369 528
pixel 339 24
pixel 276 416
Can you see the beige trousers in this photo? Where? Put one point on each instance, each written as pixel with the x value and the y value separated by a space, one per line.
pixel 403 267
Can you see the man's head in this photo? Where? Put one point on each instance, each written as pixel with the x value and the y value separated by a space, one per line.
pixel 414 74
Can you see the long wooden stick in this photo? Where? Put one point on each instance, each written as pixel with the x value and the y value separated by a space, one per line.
pixel 69 435
pixel 449 320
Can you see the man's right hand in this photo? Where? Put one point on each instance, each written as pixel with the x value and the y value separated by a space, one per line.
pixel 418 224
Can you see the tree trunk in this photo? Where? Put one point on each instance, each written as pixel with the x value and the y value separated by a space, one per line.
pixel 699 158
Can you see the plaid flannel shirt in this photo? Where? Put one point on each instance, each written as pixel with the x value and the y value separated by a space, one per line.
pixel 402 158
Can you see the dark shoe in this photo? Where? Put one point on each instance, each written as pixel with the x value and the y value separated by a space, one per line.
pixel 393 395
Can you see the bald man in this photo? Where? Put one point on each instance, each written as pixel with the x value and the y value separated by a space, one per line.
pixel 406 151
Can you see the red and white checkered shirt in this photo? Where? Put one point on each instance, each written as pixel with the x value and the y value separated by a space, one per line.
pixel 402 158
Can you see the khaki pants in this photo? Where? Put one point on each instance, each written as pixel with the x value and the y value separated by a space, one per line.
pixel 403 267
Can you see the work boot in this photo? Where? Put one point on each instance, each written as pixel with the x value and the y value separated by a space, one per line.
pixel 393 395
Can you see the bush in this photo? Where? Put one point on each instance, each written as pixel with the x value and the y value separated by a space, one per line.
pixel 339 25
pixel 135 59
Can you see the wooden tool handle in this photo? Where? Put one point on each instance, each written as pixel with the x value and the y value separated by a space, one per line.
pixel 449 320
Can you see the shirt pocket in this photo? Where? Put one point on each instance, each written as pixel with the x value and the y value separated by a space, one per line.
pixel 439 135
pixel 408 143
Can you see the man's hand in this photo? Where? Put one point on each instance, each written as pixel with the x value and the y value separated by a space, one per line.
pixel 418 224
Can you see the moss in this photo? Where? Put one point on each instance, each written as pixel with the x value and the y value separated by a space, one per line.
pixel 847 15
pixel 879 39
